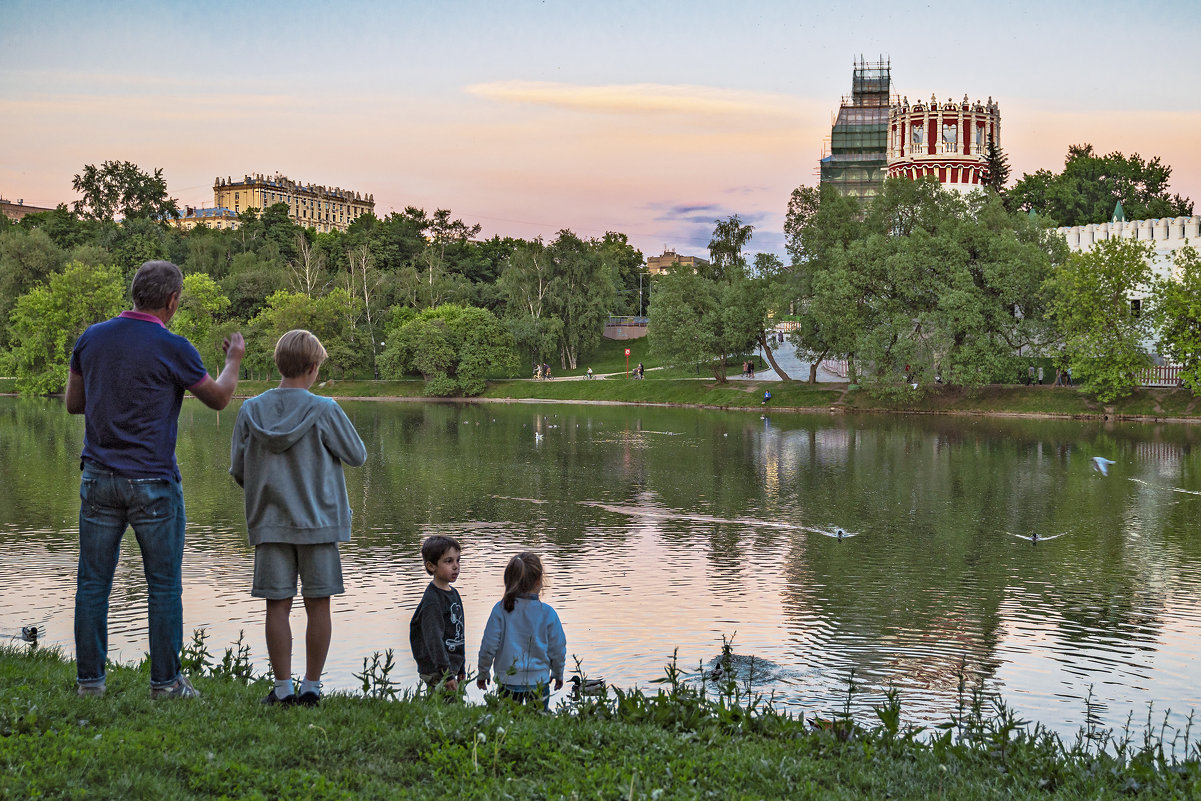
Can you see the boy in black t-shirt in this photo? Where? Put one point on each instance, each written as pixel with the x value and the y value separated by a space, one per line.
pixel 436 630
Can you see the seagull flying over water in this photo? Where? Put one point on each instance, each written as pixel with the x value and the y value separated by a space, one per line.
pixel 1101 464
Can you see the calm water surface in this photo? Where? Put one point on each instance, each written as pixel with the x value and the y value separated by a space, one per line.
pixel 667 529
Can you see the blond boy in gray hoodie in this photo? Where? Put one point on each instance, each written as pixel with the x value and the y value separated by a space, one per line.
pixel 288 449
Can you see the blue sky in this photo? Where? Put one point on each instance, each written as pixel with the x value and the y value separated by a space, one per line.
pixel 651 118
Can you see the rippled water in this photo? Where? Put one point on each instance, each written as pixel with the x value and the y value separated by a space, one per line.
pixel 664 530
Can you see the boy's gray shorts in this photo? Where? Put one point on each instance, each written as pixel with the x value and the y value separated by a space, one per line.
pixel 277 565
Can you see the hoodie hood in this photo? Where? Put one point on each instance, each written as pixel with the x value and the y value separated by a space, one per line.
pixel 280 417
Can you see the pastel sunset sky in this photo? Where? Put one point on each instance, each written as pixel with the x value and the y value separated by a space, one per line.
pixel 528 116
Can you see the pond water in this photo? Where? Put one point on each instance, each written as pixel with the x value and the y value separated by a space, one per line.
pixel 664 529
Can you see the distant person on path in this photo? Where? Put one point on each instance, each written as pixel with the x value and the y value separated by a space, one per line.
pixel 1040 375
pixel 1030 376
pixel 589 374
pixel 638 371
pixel 127 378
pixel 436 628
pixel 287 453
pixel 523 638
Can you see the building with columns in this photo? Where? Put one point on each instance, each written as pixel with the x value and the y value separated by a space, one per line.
pixel 947 141
pixel 310 205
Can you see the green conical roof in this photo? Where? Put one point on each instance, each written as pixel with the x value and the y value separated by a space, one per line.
pixel 1119 213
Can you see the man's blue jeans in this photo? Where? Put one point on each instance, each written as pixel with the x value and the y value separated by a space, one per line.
pixel 154 508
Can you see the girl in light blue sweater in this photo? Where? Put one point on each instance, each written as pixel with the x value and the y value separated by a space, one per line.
pixel 523 639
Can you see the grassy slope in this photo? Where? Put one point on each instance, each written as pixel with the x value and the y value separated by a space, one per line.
pixel 226 745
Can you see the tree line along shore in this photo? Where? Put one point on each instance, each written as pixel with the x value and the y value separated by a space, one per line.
pixel 960 290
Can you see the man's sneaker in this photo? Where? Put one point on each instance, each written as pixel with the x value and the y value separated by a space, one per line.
pixel 89 690
pixel 274 700
pixel 182 688
pixel 310 698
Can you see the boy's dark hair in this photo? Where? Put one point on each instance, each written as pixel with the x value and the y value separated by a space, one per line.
pixel 154 284
pixel 434 548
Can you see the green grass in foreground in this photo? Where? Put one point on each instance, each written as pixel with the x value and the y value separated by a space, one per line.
pixel 677 742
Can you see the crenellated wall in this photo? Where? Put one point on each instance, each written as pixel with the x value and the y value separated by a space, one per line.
pixel 1166 235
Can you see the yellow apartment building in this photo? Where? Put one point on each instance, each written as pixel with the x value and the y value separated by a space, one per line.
pixel 321 207
pixel 661 264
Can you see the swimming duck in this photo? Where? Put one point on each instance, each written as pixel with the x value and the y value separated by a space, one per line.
pixel 29 633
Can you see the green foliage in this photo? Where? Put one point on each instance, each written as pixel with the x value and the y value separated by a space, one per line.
pixel 1090 303
pixel 48 319
pixel 122 189
pixel 27 258
pixel 921 277
pixel 730 236
pixel 376 678
pixel 1091 185
pixel 997 169
pixel 559 295
pixel 1177 314
pixel 332 318
pixel 201 306
pixel 453 347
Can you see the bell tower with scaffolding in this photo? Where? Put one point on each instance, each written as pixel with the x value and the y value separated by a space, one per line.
pixel 856 161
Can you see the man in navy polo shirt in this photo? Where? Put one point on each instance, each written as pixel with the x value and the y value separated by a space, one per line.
pixel 128 377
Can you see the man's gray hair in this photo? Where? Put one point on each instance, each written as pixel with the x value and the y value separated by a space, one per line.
pixel 154 284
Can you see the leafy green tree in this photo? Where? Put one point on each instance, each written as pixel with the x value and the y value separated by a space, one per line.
pixel 64 227
pixel 1090 304
pixel 1178 316
pixel 685 321
pixel 122 189
pixel 820 224
pixel 453 347
pixel 139 240
pixel 252 278
pixel 49 318
pixel 327 317
pixel 730 236
pixel 629 275
pixel 202 306
pixel 27 258
pixel 581 295
pixel 1091 185
pixel 926 278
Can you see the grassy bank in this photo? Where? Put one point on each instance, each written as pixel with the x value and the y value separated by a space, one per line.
pixel 673 743
pixel 1002 399
pixel 670 389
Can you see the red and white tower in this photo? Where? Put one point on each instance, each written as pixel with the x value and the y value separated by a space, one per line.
pixel 948 141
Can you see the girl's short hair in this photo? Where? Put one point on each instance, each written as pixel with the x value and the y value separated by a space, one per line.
pixel 435 547
pixel 297 351
pixel 154 284
pixel 522 575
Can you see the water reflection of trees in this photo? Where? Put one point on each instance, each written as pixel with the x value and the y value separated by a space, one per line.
pixel 940 496
pixel 933 576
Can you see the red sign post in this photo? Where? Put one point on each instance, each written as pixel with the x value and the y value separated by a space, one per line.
pixel 627 362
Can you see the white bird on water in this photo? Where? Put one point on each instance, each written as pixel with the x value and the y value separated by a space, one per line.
pixel 1101 464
